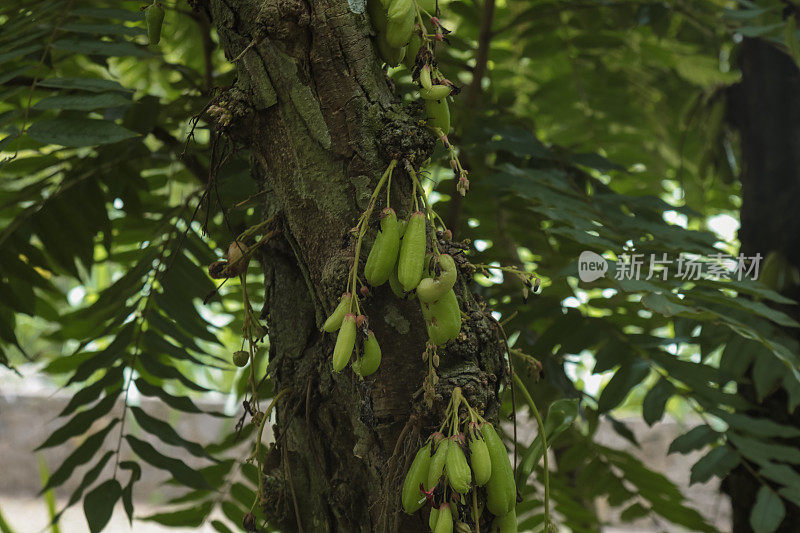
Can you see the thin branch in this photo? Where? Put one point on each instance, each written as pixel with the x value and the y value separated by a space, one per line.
pixel 473 97
pixel 475 88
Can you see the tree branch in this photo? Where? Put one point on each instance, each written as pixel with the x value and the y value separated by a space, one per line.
pixel 472 98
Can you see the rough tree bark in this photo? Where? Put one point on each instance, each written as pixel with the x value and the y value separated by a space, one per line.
pixel 319 118
pixel 765 109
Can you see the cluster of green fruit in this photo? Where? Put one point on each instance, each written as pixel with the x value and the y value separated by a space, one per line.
pixel 393 21
pixel 398 255
pixel 447 469
pixel 400 40
pixel 348 326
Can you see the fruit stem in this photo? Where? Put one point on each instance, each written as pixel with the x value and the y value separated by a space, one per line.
pixel 363 222
pixel 264 418
pixel 475 515
pixel 417 184
pixel 423 33
pixel 248 311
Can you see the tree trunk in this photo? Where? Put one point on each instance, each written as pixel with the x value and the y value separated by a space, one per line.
pixel 765 109
pixel 318 116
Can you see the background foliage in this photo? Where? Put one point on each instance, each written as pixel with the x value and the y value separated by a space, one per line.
pixel 600 126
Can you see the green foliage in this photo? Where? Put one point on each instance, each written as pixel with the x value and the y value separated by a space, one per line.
pixel 587 135
pixel 768 512
pixel 95 195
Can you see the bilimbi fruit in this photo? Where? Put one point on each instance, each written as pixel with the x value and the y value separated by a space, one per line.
pixel 334 322
pixel 412 252
pixel 479 456
pixel 436 92
pixel 436 468
pixel 506 523
pixel 383 255
pixel 399 22
pixel 444 522
pixel 442 318
pixel 345 342
pixel 438 115
pixel 371 360
pixel 412 497
pixel 432 289
pixel 456 467
pixel 501 490
pixel 154 14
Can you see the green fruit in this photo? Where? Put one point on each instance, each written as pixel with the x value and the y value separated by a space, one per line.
pixel 425 77
pixel 154 14
pixel 438 115
pixel 368 364
pixel 397 287
pixel 506 523
pixel 334 321
pixel 432 289
pixel 462 527
pixel 428 316
pixel 444 524
pixel 412 49
pixel 443 318
pixel 377 15
pixel 412 498
pixel 399 22
pixel 412 252
pixel 437 92
pixel 240 358
pixel 479 460
pixel 383 255
pixel 458 472
pixel 391 55
pixel 433 518
pixel 501 491
pixel 436 468
pixel 345 342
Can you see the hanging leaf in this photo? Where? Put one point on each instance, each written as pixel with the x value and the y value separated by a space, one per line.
pixel 768 511
pixel 88 478
pixel 192 517
pixel 86 102
pixel 166 433
pixel 75 132
pixel 181 403
pixel 98 505
pixel 81 455
pixel 81 422
pixel 718 462
pixel 179 470
pixel 86 395
pixel 127 492
pixel 83 84
pixel 97 47
pixel 628 376
pixel 696 438
pixel 656 400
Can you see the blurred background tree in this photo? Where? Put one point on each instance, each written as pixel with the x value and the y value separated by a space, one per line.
pixel 586 125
